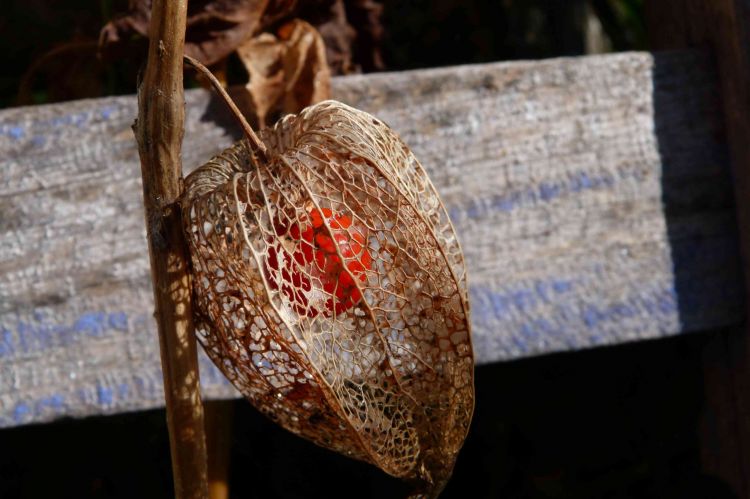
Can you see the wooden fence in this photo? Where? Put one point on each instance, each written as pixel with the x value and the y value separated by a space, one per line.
pixel 592 198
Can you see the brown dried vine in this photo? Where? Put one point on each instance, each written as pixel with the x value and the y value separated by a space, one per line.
pixel 330 288
pixel 159 130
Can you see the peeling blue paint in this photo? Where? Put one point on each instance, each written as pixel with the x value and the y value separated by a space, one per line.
pixel 545 192
pixel 21 412
pixel 104 395
pixel 41 334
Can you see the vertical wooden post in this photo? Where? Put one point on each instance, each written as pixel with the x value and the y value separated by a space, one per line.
pixel 723 27
pixel 219 420
pixel 159 131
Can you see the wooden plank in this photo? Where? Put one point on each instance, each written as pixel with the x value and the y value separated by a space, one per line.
pixel 721 27
pixel 591 197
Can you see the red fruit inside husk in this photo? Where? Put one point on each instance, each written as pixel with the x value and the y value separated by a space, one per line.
pixel 313 261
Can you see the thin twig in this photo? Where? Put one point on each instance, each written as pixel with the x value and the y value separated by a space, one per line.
pixel 258 147
pixel 159 131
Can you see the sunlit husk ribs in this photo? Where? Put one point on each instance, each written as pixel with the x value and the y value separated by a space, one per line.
pixel 330 288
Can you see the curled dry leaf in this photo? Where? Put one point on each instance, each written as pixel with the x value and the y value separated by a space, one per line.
pixel 115 35
pixel 330 288
pixel 329 18
pixel 288 72
pixel 351 29
pixel 365 16
pixel 215 28
pixel 352 32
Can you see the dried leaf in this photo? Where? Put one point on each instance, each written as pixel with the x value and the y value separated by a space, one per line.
pixel 330 288
pixel 288 72
pixel 116 35
pixel 215 28
pixel 329 18
pixel 352 32
pixel 365 17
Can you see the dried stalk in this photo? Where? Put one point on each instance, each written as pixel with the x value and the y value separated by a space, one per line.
pixel 159 131
pixel 219 419
pixel 256 145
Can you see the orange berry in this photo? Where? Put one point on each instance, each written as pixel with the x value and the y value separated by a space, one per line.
pixel 319 240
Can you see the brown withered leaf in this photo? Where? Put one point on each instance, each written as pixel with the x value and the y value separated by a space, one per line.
pixel 329 18
pixel 365 18
pixel 121 29
pixel 215 28
pixel 352 32
pixel 351 29
pixel 288 72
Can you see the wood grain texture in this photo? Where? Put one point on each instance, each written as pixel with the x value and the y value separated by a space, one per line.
pixel 591 197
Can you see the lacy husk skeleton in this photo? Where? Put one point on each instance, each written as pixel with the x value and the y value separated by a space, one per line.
pixel 330 288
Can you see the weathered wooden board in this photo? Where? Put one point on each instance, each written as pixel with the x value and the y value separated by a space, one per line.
pixel 591 196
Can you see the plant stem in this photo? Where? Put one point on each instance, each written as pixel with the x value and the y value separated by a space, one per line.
pixel 159 131
pixel 256 145
pixel 219 416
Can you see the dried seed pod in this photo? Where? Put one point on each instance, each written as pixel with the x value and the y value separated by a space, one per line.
pixel 330 288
